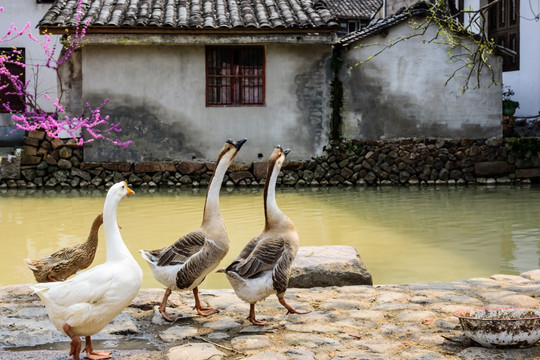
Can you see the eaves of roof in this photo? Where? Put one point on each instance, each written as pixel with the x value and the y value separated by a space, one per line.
pixel 189 16
pixel 378 25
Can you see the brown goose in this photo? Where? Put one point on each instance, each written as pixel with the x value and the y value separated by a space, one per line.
pixel 67 261
pixel 185 264
pixel 264 265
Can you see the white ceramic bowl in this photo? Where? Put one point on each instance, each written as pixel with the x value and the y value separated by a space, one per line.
pixel 508 327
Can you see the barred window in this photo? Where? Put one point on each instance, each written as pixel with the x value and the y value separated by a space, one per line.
pixel 235 75
pixel 11 60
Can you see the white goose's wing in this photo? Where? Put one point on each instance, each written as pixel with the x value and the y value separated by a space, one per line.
pixel 86 287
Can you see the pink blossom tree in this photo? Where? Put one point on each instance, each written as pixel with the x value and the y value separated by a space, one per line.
pixel 31 116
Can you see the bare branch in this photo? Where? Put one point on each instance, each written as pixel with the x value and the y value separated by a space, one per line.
pixel 468 43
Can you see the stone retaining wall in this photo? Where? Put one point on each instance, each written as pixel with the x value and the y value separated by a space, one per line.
pixel 53 163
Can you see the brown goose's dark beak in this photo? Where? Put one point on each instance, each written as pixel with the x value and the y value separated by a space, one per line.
pixel 237 144
pixel 286 152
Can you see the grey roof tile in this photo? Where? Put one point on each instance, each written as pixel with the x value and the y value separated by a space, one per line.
pixel 377 25
pixel 349 9
pixel 118 15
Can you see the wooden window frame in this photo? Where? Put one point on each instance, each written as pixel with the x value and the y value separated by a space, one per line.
pixel 235 85
pixel 460 5
pixel 352 26
pixel 16 103
pixel 503 29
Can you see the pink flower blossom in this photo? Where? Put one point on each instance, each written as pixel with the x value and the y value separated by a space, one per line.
pixel 33 117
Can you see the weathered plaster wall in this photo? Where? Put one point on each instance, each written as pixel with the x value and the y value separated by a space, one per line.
pixel 157 93
pixel 401 93
pixel 393 6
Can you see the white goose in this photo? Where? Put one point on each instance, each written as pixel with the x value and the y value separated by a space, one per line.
pixel 86 303
pixel 264 265
pixel 185 264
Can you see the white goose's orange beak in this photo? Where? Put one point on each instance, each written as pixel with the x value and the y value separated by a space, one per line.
pixel 129 191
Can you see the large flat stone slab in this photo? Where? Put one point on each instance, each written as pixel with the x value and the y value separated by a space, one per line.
pixel 321 266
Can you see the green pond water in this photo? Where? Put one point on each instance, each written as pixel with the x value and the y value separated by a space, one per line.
pixel 402 234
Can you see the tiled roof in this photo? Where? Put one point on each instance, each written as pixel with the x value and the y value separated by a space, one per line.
pixel 167 15
pixel 358 9
pixel 378 25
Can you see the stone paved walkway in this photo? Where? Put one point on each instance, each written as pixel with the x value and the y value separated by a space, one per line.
pixel 384 322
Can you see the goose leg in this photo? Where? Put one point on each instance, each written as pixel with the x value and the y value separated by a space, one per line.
pixel 163 307
pixel 252 318
pixel 75 348
pixel 203 311
pixel 290 308
pixel 50 278
pixel 95 355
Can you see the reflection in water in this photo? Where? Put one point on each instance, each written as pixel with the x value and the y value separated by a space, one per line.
pixel 402 234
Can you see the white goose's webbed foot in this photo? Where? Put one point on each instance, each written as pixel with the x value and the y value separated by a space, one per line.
pixel 75 345
pixel 93 354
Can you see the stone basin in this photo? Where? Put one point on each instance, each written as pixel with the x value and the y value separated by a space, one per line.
pixel 506 327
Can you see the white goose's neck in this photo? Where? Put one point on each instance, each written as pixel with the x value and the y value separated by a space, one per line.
pixel 272 212
pixel 211 206
pixel 116 249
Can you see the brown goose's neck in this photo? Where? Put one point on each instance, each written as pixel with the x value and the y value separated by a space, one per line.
pixel 272 213
pixel 92 240
pixel 211 205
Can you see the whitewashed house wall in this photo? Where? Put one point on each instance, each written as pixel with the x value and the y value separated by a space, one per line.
pixel 401 92
pixel 157 92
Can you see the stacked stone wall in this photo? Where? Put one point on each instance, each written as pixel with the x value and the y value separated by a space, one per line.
pixel 53 163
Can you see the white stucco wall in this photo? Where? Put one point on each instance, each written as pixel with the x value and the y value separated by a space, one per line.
pixel 401 93
pixel 526 81
pixel 21 12
pixel 158 94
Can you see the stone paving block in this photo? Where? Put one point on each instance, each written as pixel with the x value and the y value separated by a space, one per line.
pixel 195 351
pixel 300 354
pixel 415 316
pixel 523 301
pixel 250 342
pixel 223 324
pixel 178 333
pixel 267 356
pixel 532 275
pixel 392 297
